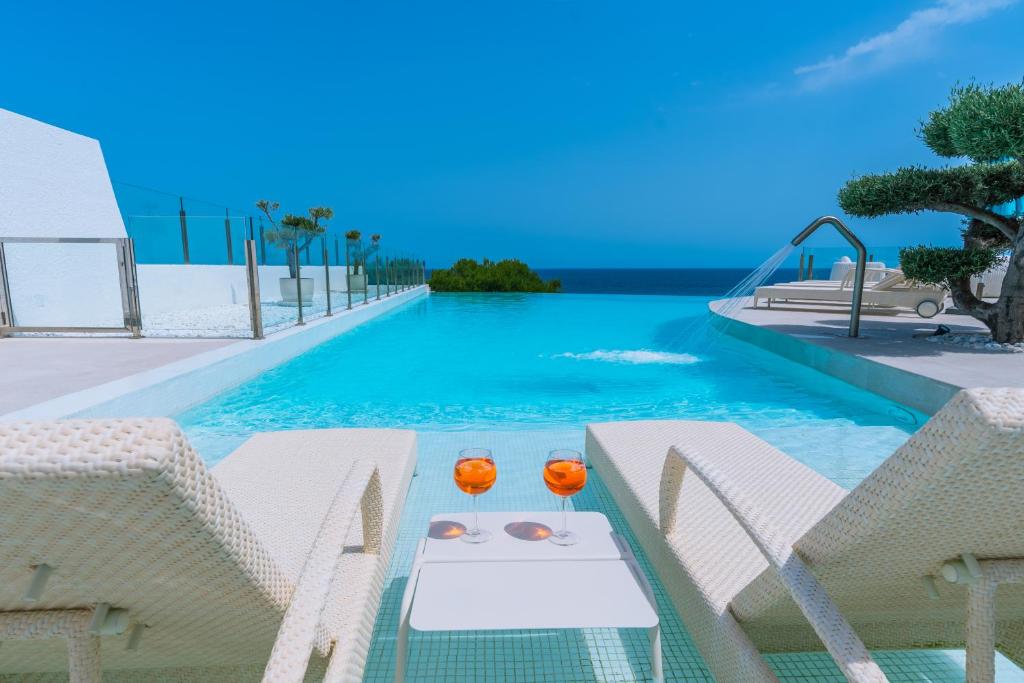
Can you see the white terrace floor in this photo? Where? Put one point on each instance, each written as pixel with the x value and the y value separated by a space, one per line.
pixel 33 370
pixel 894 339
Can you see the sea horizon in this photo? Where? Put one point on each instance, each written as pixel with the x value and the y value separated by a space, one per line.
pixel 679 281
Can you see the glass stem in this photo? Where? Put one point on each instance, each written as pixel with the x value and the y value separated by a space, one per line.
pixel 564 530
pixel 476 517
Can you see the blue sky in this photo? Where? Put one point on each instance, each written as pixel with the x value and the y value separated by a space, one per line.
pixel 567 133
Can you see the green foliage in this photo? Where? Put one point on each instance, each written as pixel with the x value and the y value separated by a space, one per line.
pixel 294 233
pixel 947 265
pixel 935 134
pixel 353 235
pixel 914 189
pixel 985 123
pixel 509 275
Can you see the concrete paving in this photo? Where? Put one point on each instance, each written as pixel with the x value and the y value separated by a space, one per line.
pixel 894 339
pixel 33 370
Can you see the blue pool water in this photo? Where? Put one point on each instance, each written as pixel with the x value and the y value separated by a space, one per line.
pixel 507 362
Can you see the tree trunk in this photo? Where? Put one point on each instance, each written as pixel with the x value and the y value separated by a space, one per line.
pixel 1008 311
pixel 965 300
pixel 1005 317
pixel 292 268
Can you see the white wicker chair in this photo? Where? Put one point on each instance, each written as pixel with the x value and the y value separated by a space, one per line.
pixel 271 565
pixel 761 553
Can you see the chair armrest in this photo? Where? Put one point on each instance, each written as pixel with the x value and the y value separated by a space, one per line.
pixel 360 492
pixel 832 628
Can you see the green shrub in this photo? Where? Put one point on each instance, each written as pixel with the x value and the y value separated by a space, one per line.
pixel 509 275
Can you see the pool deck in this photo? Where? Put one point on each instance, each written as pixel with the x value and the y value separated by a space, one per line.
pixel 40 369
pixel 891 357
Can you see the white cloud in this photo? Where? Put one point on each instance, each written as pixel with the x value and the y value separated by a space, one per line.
pixel 911 39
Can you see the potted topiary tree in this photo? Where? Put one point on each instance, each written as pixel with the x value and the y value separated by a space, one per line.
pixel 293 234
pixel 357 261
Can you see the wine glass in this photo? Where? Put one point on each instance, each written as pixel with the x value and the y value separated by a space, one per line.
pixel 475 473
pixel 565 474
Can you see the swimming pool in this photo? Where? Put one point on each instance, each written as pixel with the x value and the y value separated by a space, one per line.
pixel 510 362
pixel 522 374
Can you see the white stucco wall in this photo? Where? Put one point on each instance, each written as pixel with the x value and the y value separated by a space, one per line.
pixel 54 183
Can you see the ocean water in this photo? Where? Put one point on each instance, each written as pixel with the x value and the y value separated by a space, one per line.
pixel 677 281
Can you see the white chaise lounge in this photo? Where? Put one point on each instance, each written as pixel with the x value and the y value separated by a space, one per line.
pixel 121 552
pixel 892 291
pixel 759 552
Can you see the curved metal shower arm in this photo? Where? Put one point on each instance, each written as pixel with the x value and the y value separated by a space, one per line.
pixel 862 260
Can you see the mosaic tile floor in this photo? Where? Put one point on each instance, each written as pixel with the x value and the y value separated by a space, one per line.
pixel 569 656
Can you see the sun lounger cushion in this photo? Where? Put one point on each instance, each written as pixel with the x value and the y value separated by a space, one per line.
pixel 282 480
pixel 708 558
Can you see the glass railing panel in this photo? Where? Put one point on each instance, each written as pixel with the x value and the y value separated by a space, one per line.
pixel 832 263
pixel 158 239
pixel 64 285
pixel 207 296
pixel 207 240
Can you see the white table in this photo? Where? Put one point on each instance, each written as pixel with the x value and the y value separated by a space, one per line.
pixel 508 570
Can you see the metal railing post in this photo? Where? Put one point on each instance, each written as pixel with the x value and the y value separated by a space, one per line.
pixel 376 273
pixel 800 271
pixel 129 290
pixel 263 245
pixel 6 306
pixel 184 229
pixel 298 280
pixel 858 276
pixel 366 277
pixel 252 276
pixel 327 274
pixel 387 276
pixel 227 236
pixel 348 276
pixel 133 290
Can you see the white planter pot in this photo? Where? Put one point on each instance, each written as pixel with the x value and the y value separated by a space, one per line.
pixel 357 283
pixel 289 292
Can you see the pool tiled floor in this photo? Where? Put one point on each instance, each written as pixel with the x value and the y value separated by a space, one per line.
pixel 576 655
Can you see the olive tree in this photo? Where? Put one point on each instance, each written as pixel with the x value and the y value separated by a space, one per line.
pixel 294 233
pixel 985 125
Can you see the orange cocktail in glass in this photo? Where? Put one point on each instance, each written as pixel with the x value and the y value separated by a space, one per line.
pixel 475 473
pixel 565 474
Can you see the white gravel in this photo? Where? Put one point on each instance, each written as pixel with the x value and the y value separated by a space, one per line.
pixel 980 342
pixel 232 320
